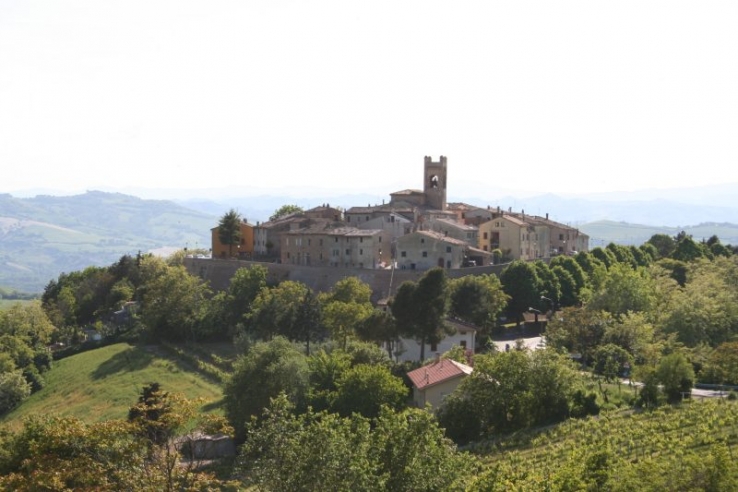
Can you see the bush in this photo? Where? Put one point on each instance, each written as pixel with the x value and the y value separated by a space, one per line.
pixel 13 390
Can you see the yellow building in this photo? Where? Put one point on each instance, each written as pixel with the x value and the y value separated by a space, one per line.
pixel 245 248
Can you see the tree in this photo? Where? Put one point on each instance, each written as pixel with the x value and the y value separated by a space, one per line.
pixel 157 414
pixel 275 310
pixel 309 321
pixel 688 250
pixel 625 289
pixel 402 451
pixel 13 390
pixel 578 330
pixel 268 369
pixel 379 327
pixel 309 452
pixel 414 454
pixel 421 307
pixel 611 361
pixel 509 391
pixel 229 230
pixel 664 244
pixel 477 299
pixel 346 307
pixel 520 282
pixel 285 210
pixel 722 365
pixel 365 388
pixel 676 375
pixel 174 303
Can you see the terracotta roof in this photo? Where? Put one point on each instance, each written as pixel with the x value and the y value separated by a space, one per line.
pixel 438 372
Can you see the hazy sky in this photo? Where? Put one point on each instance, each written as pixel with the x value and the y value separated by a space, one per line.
pixel 349 96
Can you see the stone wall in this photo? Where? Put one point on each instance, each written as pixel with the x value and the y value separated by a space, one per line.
pixel 320 279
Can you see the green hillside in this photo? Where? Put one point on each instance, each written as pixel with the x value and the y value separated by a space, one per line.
pixel 44 236
pixel 670 448
pixel 102 384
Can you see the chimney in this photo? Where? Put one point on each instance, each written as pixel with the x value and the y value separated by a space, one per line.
pixel 546 215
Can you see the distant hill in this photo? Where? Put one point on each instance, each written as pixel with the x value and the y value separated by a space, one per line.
pixel 44 236
pixel 603 232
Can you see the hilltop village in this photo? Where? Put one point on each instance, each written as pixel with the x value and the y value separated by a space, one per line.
pixel 416 230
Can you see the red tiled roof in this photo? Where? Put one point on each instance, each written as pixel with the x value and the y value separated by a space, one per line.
pixel 438 372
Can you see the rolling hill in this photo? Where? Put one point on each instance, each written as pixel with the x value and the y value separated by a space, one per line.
pixel 44 236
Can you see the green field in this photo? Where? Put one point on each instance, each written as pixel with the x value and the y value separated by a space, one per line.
pixel 102 384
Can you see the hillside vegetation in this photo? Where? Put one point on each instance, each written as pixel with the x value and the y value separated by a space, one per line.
pixel 47 235
pixel 687 447
pixel 102 384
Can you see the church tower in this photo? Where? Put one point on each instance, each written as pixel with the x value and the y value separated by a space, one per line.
pixel 434 183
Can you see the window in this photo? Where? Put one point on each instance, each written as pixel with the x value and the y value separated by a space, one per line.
pixel 425 254
pixel 422 240
pixel 321 242
pixel 361 239
pixel 361 251
pixel 448 263
pixel 463 344
pixel 448 249
pixel 336 238
pixel 403 254
pixel 485 235
pixel 348 251
pixel 309 240
pixel 348 218
pixel 434 347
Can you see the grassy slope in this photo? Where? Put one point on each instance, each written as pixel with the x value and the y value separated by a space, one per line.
pixel 604 232
pixel 102 384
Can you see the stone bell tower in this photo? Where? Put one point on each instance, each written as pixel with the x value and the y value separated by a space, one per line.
pixel 434 183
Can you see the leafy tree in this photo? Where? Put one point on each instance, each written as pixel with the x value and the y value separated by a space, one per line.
pixel 173 304
pixel 310 452
pixel 379 327
pixel 509 391
pixel 343 318
pixel 29 322
pixel 521 283
pixel 275 310
pixel 548 284
pixel 326 368
pixel 722 365
pixel 578 330
pixel 309 321
pixel 633 333
pixel 575 270
pixel 404 451
pixel 611 361
pixel 267 370
pixel 421 307
pixel 285 210
pixel 477 299
pixel 569 291
pixel 688 250
pixel 229 230
pixel 664 244
pixel 13 390
pixel 605 256
pixel 676 375
pixel 625 289
pixel 414 454
pixel 364 389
